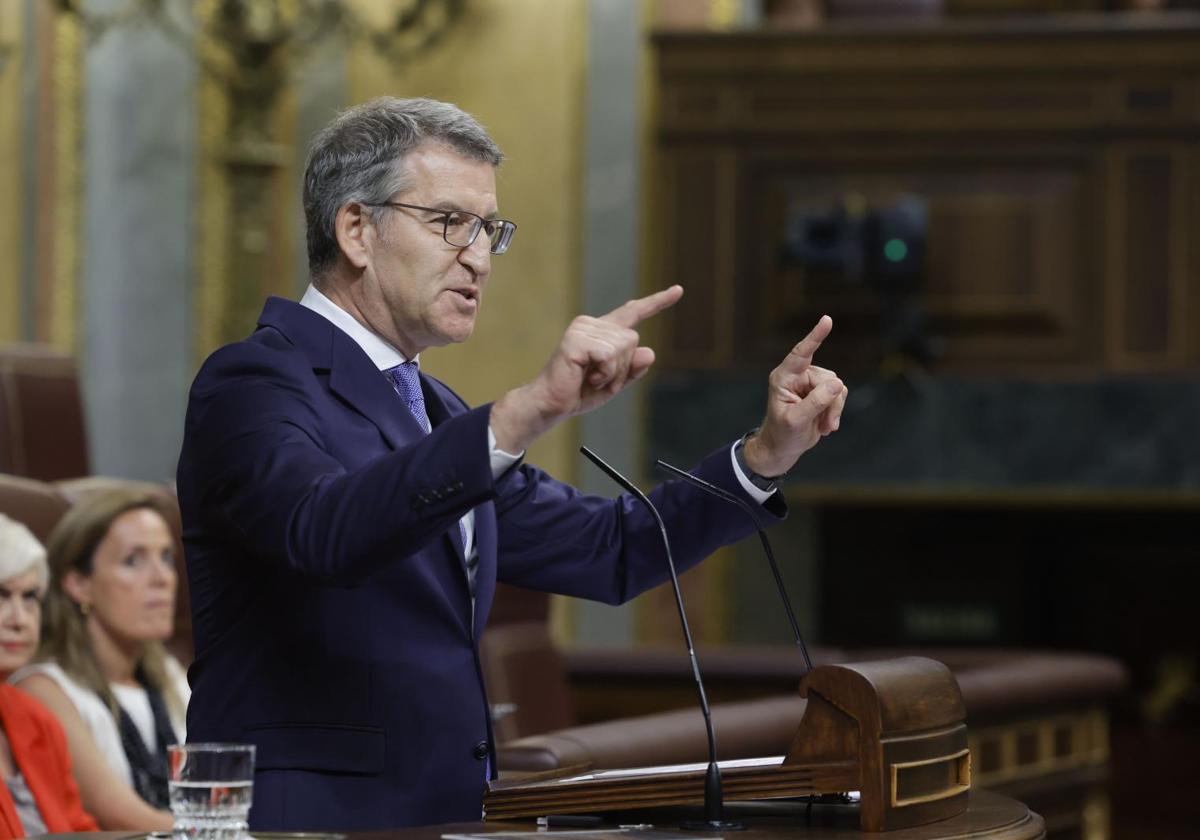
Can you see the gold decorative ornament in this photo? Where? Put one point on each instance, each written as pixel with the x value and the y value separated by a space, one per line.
pixel 60 302
pixel 246 49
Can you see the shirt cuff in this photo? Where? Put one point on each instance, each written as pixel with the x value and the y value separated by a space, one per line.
pixel 502 461
pixel 755 493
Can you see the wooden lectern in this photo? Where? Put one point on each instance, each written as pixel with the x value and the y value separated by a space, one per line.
pixel 893 730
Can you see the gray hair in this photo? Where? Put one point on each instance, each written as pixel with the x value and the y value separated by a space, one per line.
pixel 359 157
pixel 21 552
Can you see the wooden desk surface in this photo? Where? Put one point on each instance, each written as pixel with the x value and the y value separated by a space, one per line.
pixel 988 816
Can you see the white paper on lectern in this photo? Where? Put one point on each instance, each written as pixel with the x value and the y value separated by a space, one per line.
pixel 634 772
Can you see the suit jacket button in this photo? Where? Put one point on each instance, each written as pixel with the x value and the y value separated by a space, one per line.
pixel 481 750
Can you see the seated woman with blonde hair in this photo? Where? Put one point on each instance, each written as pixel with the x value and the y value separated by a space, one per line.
pixel 102 668
pixel 38 795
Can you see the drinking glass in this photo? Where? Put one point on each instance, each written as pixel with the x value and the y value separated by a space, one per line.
pixel 211 786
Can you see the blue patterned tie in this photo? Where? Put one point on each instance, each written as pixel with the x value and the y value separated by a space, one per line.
pixel 407 381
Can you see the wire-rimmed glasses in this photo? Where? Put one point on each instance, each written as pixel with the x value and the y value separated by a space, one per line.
pixel 460 228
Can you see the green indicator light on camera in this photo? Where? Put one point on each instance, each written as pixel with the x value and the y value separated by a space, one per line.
pixel 895 250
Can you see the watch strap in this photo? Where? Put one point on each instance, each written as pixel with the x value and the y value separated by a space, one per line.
pixel 766 483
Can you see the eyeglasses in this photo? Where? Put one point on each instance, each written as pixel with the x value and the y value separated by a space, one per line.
pixel 460 228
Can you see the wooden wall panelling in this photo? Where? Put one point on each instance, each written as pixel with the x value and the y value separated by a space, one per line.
pixel 1150 269
pixel 1192 246
pixel 1145 322
pixel 1008 277
pixel 698 213
pixel 1042 146
pixel 909 100
pixel 1065 47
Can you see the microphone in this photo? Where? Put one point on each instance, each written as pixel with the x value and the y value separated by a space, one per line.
pixel 733 499
pixel 714 798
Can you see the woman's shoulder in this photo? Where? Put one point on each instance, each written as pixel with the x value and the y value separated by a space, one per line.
pixel 76 692
pixel 45 668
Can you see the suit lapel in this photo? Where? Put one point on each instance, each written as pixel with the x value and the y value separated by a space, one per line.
pixel 352 375
pixel 354 378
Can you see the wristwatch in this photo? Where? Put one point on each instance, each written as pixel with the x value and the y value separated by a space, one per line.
pixel 766 483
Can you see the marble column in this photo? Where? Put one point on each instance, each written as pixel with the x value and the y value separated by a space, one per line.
pixel 612 202
pixel 139 147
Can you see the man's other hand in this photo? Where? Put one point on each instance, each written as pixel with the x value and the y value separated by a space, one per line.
pixel 594 361
pixel 804 403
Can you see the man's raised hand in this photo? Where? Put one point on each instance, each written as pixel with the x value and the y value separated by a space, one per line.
pixel 594 361
pixel 804 403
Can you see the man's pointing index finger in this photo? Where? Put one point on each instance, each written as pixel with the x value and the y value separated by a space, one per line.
pixel 629 314
pixel 802 354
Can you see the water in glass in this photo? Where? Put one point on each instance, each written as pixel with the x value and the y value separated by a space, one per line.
pixel 211 788
pixel 210 810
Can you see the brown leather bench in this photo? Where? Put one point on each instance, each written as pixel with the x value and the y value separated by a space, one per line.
pixel 35 503
pixel 42 430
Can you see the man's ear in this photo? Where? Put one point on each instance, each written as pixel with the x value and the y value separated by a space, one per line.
pixel 350 225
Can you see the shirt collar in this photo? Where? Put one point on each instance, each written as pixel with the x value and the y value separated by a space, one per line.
pixel 383 354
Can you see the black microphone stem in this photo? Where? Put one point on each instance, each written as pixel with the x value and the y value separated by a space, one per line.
pixel 733 499
pixel 714 799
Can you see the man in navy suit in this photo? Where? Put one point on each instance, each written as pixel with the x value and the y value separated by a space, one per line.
pixel 346 517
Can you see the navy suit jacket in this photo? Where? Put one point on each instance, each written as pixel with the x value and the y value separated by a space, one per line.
pixel 332 614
